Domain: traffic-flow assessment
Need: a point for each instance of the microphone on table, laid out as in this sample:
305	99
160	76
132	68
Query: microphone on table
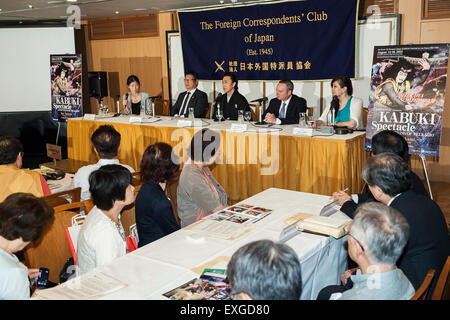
118	107
260	100
216	103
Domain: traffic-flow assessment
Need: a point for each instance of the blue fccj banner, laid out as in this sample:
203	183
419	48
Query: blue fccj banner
296	40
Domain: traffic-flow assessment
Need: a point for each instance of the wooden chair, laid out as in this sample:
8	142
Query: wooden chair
208	112
171	192
128	215
442	289
51	250
60	198
86	205
422	292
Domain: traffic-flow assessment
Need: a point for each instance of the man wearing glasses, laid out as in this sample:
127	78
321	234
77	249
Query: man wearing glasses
192	98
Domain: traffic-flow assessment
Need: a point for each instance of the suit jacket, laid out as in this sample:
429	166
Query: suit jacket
295	106
429	243
230	108
349	207
198	101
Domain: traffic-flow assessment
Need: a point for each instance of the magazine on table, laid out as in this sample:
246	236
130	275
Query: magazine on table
211	285
241	214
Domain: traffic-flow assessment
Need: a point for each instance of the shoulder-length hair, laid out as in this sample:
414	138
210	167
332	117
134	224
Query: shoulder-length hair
158	163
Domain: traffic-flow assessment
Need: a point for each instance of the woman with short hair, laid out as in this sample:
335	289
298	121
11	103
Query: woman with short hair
198	193
102	238
23	218
154	214
135	100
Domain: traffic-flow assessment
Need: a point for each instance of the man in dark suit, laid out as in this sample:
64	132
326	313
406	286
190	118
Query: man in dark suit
388	178
285	108
192	98
384	141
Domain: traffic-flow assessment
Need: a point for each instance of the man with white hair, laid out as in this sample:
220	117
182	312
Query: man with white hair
375	242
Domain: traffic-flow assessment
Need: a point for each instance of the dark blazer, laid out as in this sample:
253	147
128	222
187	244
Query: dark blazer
199	101
429	243
349	207
230	108
295	106
154	215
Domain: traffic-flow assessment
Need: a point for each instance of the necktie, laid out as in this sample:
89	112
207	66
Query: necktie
183	108
283	110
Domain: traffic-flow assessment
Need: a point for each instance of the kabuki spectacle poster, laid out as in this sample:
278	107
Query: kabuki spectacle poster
407	95
65	76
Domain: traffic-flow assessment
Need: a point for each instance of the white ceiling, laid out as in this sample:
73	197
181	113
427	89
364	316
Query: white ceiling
13	10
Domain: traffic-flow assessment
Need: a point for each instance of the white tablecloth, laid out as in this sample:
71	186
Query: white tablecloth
166	263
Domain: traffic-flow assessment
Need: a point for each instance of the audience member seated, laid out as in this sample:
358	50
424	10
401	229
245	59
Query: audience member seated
265	270
106	142
198	193
23	217
135	100
14	178
102	238
384	141
347	109
154	214
286	107
376	240
192	98
231	101
389	179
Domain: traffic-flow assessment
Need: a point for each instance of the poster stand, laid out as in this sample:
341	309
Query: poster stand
426	175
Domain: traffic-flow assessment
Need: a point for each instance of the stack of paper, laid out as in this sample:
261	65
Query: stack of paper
336	227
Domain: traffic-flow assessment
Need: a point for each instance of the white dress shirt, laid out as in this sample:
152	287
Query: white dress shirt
81	178
191	93
100	241
278	121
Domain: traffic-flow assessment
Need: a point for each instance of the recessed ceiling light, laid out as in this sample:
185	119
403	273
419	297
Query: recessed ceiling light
221	1
140	9
30	6
116	12
71	0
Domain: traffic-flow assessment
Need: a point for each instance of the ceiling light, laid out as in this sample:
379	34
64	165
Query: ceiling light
221	1
116	12
71	0
140	9
30	6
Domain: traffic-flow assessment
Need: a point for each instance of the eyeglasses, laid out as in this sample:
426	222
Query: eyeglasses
362	247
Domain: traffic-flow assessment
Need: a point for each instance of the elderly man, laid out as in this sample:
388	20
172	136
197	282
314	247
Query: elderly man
106	141
286	107
265	270
389	179
384	141
376	240
14	178
192	98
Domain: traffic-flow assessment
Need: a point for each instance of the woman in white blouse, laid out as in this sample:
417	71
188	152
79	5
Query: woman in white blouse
102	238
347	109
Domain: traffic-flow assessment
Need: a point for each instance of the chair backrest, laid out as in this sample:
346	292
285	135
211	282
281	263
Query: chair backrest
60	198
128	216
51	250
442	289
85	205
171	192
421	293
208	111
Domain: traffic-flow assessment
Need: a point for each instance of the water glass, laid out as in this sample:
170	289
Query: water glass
302	120
247	115
240	116
191	114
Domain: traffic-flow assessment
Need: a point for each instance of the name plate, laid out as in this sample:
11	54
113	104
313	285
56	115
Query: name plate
89	116
238	127
184	123
302	132
54	151
135	119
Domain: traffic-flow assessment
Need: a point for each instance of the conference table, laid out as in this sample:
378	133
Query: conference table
179	257
249	162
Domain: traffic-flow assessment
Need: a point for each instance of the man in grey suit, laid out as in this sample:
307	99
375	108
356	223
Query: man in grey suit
192	98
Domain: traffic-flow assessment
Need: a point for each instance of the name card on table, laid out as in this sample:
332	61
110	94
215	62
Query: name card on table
238	127
89	116
302	132
135	119
184	123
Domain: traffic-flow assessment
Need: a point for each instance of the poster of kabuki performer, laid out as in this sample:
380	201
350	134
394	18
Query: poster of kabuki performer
65	76
407	95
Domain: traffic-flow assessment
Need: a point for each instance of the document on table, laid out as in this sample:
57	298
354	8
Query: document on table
219	229
83	287
327	221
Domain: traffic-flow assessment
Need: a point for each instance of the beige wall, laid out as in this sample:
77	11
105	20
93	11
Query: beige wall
416	30
145	57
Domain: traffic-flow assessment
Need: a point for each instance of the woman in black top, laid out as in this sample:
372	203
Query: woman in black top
135	100
154	214
231	101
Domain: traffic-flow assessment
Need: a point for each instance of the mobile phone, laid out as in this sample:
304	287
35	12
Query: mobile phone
43	277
